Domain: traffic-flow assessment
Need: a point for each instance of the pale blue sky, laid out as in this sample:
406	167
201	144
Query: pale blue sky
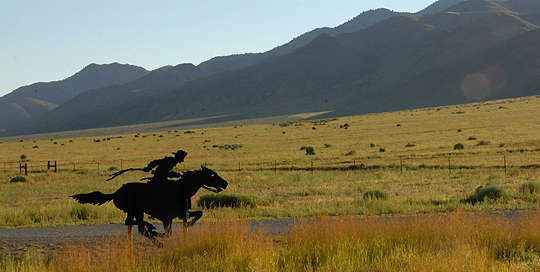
42	41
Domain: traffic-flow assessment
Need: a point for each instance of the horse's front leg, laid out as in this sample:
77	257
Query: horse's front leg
196	216
167	226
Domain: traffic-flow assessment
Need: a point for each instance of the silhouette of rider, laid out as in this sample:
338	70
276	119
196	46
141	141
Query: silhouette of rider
163	168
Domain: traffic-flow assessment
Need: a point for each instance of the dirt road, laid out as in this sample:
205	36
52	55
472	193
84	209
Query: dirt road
22	240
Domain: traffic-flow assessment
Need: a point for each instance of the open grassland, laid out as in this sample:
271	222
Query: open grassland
403	162
436	242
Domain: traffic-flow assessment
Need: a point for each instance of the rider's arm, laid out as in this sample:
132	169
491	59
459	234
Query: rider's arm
151	166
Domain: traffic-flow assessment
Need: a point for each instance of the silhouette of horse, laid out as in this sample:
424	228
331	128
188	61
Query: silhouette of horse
161	200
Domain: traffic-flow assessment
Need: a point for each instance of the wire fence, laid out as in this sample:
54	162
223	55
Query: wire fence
449	162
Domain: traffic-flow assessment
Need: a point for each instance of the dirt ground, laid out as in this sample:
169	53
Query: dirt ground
18	242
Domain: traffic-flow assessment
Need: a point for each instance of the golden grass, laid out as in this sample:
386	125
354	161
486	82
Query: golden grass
416	178
437	242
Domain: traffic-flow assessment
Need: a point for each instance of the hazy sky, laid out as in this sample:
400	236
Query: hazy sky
42	41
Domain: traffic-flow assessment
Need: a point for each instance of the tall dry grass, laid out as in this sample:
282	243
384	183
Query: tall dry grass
434	242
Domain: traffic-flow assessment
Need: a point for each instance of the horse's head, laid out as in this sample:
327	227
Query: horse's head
212	181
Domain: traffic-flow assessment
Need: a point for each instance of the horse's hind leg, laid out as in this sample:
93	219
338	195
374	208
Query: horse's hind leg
129	223
147	230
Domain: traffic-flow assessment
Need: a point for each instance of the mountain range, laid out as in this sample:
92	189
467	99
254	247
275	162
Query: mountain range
452	52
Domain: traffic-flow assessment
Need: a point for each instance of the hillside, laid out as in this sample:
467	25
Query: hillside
474	51
39	98
362	21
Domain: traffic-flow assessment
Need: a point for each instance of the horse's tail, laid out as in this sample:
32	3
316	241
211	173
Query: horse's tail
96	198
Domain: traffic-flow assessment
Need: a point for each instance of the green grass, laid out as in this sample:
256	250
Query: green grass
270	167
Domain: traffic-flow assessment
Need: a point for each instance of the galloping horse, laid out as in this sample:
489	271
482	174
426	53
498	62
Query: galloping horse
161	200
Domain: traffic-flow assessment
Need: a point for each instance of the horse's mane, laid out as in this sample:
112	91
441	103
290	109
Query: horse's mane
189	174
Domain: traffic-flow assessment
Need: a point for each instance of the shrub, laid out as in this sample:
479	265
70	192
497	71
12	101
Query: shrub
228	146
24	157
459	146
382	149
490	192
372	194
310	150
209	201
530	187
18	179
350	153
80	212
483	142
472	138
410	145
114	168
371	145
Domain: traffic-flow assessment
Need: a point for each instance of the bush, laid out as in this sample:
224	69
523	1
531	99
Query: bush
483	142
490	192
530	187
229	146
18	179
372	194
24	157
310	150
459	146
472	138
114	168
80	212
226	200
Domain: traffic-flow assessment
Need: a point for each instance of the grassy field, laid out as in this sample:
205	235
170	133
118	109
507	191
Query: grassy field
407	156
397	163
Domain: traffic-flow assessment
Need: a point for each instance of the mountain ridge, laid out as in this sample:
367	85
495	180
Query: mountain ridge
402	62
39	98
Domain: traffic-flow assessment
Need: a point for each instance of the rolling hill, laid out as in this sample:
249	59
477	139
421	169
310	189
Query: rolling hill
473	51
39	98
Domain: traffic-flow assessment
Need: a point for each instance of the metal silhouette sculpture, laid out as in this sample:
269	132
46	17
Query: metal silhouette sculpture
163	200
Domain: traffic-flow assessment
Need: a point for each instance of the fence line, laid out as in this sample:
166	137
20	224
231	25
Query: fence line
451	163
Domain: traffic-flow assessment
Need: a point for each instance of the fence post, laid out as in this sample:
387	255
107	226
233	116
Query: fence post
401	166
275	165
449	166
505	165
49	166
25	167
